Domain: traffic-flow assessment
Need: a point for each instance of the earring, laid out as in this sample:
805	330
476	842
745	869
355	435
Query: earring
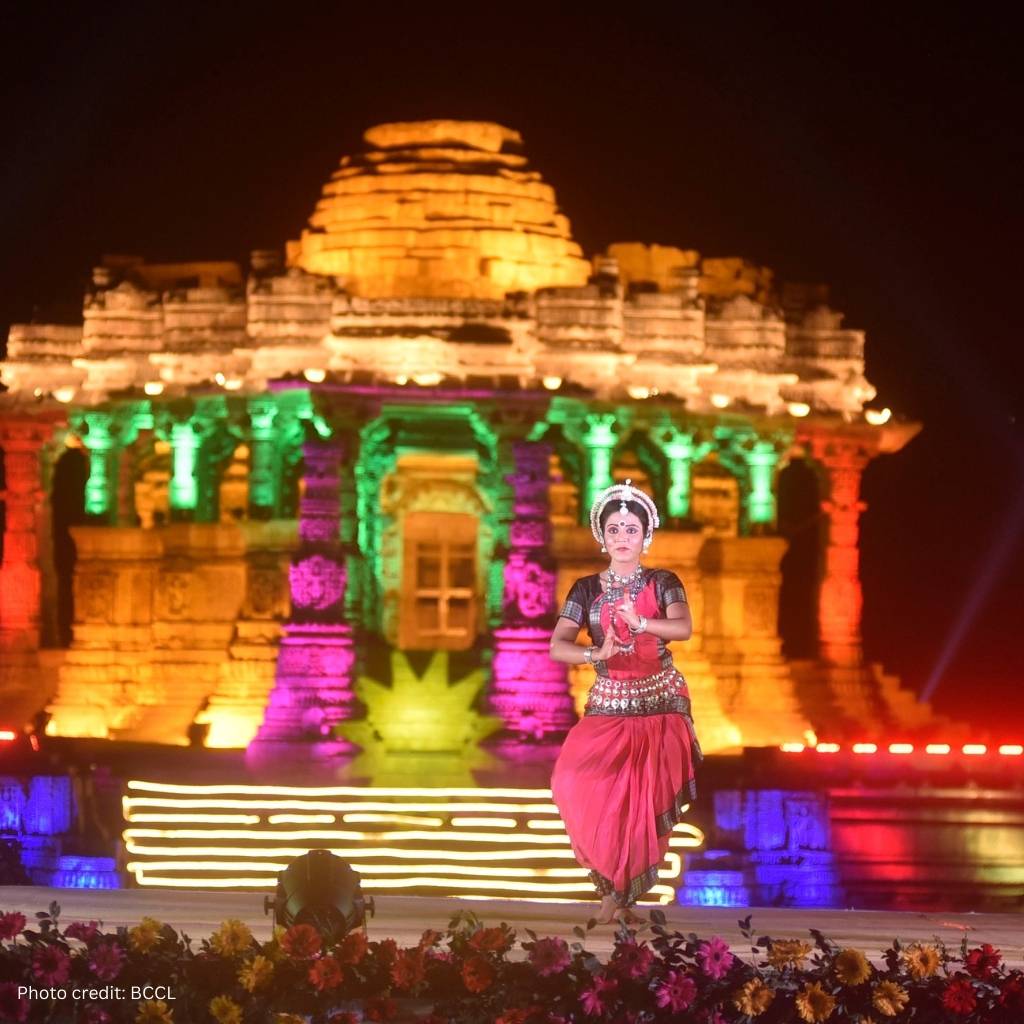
604	550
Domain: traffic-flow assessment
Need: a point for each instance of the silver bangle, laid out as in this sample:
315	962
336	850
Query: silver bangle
588	655
641	626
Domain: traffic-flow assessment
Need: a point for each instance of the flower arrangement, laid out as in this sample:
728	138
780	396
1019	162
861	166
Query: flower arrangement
151	974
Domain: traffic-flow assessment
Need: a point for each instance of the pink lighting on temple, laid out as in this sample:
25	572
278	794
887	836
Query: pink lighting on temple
530	691
313	691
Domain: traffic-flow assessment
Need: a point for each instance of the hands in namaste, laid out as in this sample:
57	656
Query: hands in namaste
626	611
609	648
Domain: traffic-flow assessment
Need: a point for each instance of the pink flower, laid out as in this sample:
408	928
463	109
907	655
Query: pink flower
714	957
982	963
711	1017
677	992
549	956
86	932
595	999
12	1006
633	960
51	965
106	961
11	924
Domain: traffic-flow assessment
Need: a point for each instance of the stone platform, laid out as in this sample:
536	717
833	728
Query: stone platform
404	918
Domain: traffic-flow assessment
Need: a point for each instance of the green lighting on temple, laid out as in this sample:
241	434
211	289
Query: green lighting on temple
761	462
184	491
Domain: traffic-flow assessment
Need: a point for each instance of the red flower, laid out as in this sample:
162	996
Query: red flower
380	1009
407	970
84	931
595	1000
301	942
477	973
326	974
549	956
51	965
490	940
12	1006
513	1016
353	948
632	960
11	924
959	997
106	960
1012	994
982	963
430	938
386	951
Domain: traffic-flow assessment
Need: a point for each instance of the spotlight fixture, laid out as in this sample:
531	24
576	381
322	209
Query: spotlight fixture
720	401
322	890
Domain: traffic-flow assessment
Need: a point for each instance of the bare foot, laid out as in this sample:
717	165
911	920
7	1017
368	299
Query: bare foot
608	910
625	915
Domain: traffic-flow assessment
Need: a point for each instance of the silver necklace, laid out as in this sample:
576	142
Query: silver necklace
615	580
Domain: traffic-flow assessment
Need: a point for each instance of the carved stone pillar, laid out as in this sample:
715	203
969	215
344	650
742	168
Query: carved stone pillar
264	482
841	694
22	439
313	689
741	582
529	690
762	458
598	439
840	599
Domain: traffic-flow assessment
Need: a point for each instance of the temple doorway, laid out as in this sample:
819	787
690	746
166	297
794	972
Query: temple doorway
800	523
67	500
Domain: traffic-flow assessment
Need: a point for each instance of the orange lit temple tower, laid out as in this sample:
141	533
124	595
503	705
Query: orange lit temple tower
335	498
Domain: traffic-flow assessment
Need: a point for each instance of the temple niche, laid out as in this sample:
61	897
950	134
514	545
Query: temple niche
363	465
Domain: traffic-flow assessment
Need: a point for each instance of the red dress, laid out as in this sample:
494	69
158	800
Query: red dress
626	769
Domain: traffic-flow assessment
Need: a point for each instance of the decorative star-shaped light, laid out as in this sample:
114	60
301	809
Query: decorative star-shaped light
420	726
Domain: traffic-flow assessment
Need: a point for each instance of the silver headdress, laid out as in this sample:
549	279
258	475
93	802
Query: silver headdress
623	493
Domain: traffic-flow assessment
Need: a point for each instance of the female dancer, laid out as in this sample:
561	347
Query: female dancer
626	769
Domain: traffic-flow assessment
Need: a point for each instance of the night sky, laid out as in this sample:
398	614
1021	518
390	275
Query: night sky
881	156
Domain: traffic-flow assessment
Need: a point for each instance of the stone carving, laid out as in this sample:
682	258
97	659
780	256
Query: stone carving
95	597
176	594
531	587
317	582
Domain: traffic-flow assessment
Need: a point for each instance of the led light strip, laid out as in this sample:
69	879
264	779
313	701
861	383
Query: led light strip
474	819
339	806
355	791
967	749
220	819
356	851
241	833
395	819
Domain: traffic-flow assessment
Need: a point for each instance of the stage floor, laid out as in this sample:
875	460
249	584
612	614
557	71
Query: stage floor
404	918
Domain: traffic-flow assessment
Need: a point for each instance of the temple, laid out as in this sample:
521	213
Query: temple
333	499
